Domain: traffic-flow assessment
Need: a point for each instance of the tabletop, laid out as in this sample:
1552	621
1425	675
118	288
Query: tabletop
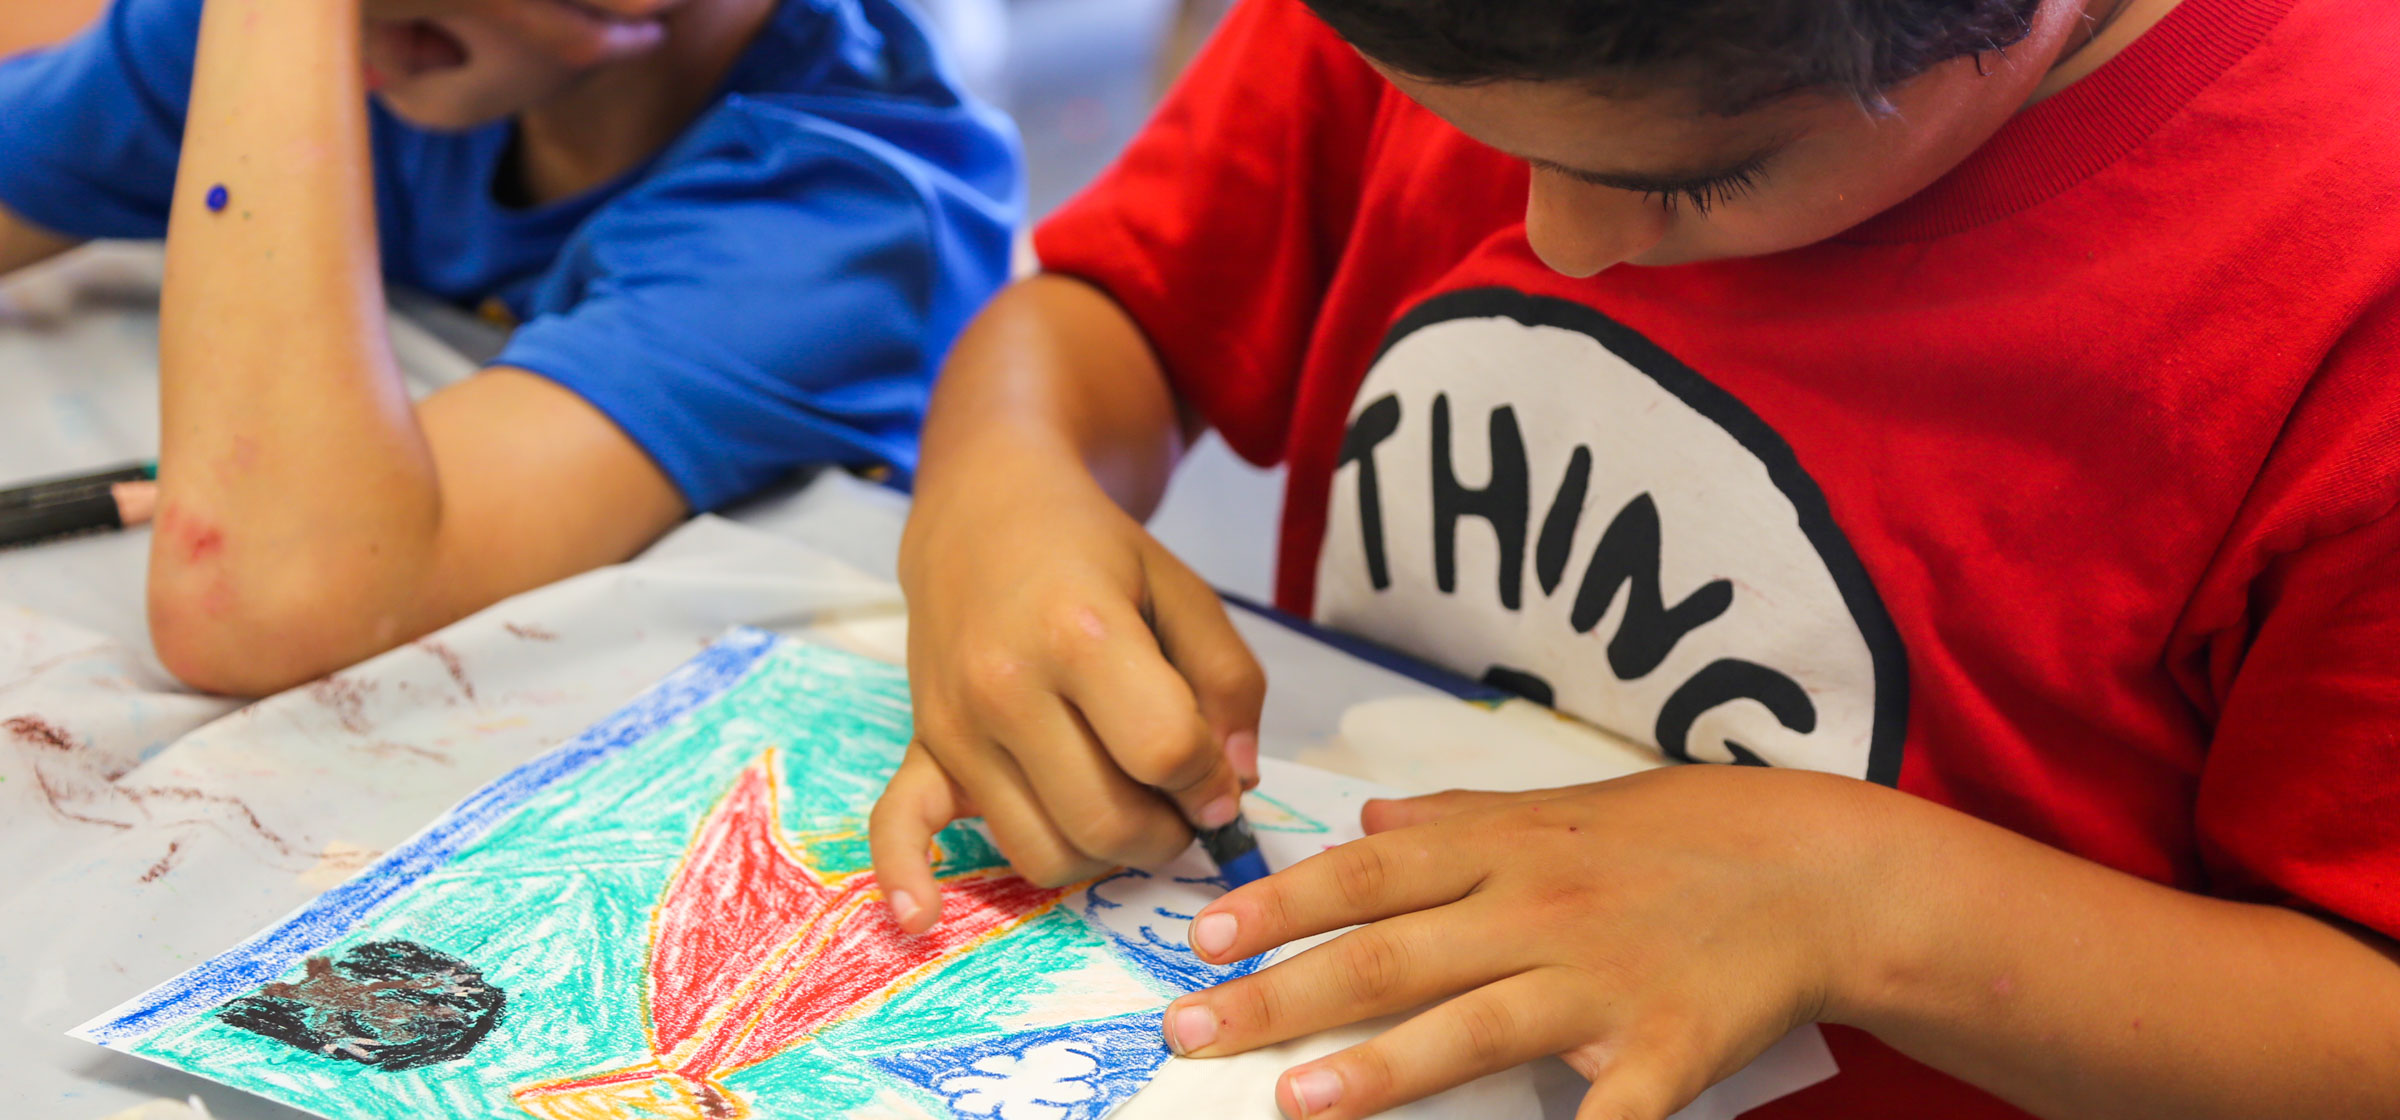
143	828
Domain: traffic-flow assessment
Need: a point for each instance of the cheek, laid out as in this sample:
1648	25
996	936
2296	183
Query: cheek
1824	186
501	77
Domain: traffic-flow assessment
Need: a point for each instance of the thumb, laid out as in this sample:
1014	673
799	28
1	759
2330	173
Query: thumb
919	802
1199	640
1635	1082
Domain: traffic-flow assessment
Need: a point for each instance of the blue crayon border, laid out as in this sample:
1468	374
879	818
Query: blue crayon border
337	912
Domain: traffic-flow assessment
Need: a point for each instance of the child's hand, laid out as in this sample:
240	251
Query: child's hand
1658	932
1075	685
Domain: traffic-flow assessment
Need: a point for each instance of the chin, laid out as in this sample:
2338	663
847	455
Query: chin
436	113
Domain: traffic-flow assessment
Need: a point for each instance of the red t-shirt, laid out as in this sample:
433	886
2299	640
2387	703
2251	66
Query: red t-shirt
2063	493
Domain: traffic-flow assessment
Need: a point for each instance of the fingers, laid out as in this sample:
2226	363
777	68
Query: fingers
1492	1028
1362	881
1105	814
1391	815
1241	752
1021	829
930	790
1641	1083
919	802
1199	639
1145	713
1380	969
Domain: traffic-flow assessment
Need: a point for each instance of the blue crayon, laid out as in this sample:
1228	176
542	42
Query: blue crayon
1235	850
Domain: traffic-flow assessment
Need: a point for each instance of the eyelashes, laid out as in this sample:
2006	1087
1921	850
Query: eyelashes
1697	195
1700	198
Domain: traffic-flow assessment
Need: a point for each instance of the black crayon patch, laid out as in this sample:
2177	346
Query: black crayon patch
394	1005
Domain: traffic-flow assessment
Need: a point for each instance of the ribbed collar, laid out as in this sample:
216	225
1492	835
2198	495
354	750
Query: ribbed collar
2076	132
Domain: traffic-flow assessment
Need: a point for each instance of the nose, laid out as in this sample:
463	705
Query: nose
1580	229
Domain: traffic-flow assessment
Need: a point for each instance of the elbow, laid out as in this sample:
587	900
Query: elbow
255	638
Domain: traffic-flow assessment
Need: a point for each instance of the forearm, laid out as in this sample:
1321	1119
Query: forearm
1054	373
24	244
290	454
2077	991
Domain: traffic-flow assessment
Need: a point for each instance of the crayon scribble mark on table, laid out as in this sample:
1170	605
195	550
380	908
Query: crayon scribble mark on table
451	664
346	698
39	732
165	863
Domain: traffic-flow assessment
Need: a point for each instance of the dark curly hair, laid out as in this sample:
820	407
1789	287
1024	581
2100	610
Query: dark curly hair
1730	54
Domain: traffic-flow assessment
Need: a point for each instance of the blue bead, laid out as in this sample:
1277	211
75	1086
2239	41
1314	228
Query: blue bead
218	196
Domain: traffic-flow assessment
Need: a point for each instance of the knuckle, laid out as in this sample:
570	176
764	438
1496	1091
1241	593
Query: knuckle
938	726
886	815
992	676
1378	965
1225	669
1072	630
1368	1074
1274	907
1254	1007
1163	844
1110	832
1173	758
1360	874
1487	1032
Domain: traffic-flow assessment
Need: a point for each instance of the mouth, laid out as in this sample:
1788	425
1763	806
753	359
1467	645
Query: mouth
398	51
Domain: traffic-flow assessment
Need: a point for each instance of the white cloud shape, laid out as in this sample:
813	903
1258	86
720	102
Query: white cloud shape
1035	1085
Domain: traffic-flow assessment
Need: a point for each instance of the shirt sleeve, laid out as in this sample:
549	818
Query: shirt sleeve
2299	800
781	292
90	130
1219	229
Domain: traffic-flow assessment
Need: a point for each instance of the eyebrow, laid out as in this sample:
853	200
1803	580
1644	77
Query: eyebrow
1669	182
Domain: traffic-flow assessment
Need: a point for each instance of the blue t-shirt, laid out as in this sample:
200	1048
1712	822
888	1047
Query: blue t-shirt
775	289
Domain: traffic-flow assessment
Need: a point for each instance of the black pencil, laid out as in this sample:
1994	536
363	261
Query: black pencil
114	506
72	487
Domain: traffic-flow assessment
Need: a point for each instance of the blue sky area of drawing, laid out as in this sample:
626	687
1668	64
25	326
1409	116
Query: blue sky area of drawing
1164	955
334	914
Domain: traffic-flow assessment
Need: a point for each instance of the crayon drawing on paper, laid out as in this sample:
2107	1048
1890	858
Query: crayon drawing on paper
672	918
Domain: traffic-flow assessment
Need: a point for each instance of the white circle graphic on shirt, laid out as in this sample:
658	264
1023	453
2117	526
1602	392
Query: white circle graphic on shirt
1538	496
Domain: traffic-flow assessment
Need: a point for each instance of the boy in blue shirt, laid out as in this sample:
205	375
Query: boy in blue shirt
739	234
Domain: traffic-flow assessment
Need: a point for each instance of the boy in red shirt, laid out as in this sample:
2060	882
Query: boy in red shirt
1973	421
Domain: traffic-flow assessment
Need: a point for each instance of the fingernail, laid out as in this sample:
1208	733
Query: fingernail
1316	1091
1241	748
1212	934
1220	812
1191	1028
903	904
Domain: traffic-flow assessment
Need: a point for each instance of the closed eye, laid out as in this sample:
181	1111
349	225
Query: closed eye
1701	193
